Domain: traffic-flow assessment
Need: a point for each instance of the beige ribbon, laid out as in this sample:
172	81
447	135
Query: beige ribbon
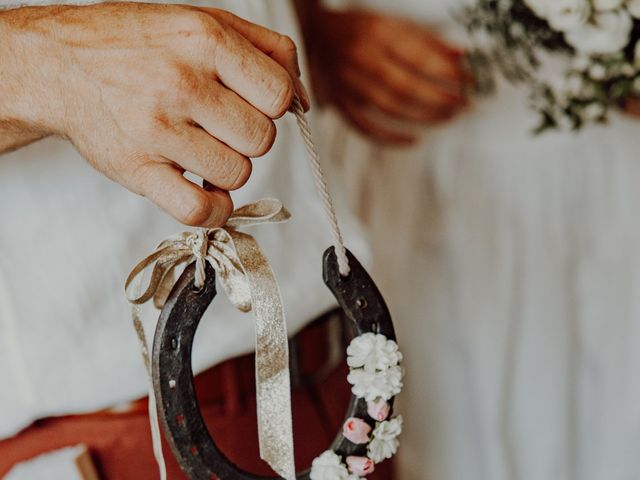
248	280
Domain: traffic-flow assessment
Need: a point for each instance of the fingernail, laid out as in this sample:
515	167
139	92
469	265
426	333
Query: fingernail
306	102
220	211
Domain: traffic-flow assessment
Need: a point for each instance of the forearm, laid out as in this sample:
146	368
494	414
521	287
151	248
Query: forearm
22	101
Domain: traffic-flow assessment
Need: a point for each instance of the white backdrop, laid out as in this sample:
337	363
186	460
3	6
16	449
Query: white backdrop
512	265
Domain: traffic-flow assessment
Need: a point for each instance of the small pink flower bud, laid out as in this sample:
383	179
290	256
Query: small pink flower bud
378	410
356	430
360	465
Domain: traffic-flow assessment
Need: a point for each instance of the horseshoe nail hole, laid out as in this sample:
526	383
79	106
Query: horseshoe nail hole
194	450
172	383
180	419
174	343
361	302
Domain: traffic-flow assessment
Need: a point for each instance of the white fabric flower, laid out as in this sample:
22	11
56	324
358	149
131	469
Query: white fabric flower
605	5
608	32
567	15
329	466
633	7
385	440
539	7
373	352
374	385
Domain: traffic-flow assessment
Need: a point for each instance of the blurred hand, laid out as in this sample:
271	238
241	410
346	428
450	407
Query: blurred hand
146	92
632	107
365	60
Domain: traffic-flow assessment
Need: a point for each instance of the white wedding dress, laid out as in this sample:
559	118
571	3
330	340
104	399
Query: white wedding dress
512	266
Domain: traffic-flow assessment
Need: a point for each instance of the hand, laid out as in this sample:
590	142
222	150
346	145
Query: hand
365	60
146	92
632	107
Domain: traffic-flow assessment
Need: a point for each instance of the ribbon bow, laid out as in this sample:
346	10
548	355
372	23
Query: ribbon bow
248	280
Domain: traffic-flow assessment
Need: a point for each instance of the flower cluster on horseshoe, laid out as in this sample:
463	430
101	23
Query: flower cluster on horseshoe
375	370
382	444
376	377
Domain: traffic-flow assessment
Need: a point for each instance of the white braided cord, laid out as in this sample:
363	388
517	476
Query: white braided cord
321	186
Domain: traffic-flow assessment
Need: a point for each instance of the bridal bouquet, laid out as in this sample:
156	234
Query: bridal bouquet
594	41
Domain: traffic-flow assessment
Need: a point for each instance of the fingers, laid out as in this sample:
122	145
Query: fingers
254	76
164	184
397	103
279	47
198	152
632	106
250	72
426	54
230	119
361	121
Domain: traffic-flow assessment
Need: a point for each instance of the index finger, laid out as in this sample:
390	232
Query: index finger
279	47
426	54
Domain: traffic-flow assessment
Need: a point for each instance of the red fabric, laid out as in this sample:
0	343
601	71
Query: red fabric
120	444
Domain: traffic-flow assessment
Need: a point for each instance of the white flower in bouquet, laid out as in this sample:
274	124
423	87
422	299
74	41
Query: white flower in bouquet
373	352
539	7
580	62
627	70
605	5
636	55
385	439
633	7
597	72
568	15
594	111
606	33
593	44
574	85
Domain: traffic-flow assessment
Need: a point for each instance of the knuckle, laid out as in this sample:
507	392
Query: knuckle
262	138
157	126
175	86
180	86
187	86
200	31
197	22
211	29
195	210
283	96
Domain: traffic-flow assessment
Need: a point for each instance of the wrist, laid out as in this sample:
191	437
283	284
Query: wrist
30	73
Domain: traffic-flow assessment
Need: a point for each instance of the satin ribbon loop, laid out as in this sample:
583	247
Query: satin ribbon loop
247	279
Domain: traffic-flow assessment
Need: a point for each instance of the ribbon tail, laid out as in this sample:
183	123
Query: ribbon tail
273	385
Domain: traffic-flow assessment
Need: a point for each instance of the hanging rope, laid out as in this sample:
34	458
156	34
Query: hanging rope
321	186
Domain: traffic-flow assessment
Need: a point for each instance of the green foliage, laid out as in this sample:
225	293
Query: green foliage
512	40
